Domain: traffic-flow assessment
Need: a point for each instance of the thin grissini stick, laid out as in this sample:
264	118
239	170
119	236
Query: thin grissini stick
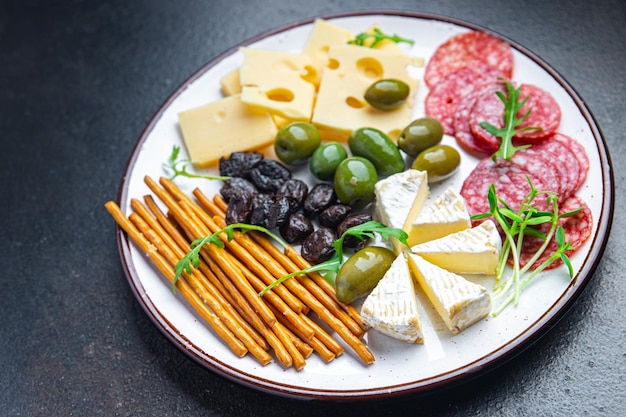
325	338
283	334
258	268
327	300
215	275
221	256
303	347
202	274
220	204
192	298
211	301
271	296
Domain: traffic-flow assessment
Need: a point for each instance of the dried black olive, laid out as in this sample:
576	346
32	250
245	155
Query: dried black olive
236	187
296	228
239	164
350	221
319	198
239	209
269	175
318	246
296	191
269	210
333	215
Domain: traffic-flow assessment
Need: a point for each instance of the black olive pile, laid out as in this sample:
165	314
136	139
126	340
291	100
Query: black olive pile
264	193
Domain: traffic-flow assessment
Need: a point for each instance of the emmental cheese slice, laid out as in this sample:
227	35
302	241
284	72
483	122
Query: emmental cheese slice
446	214
224	126
391	308
400	197
470	251
278	82
341	108
459	302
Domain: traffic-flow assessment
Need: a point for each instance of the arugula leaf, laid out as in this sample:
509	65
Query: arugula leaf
512	106
378	36
176	167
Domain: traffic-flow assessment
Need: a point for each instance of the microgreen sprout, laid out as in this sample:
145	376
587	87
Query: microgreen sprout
176	167
378	36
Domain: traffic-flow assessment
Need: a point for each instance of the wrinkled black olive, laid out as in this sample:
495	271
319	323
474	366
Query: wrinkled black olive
239	164
319	198
350	221
269	175
318	246
236	187
296	191
239	209
296	228
333	215
269	211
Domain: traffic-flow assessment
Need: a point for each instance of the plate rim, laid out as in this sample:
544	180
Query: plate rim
453	377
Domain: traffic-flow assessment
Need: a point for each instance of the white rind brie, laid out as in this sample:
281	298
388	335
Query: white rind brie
391	308
470	251
459	302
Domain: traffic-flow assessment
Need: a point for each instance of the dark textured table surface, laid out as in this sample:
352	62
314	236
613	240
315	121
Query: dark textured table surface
78	83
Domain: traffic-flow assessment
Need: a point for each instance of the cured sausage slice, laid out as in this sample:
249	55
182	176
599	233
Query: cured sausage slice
462	129
469	49
442	100
577	149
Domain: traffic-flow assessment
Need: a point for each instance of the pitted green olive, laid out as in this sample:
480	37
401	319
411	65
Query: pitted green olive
325	159
296	142
355	180
387	94
361	272
440	161
421	134
376	146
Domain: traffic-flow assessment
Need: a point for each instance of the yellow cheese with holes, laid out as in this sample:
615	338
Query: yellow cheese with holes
224	126
459	302
351	69
278	82
323	35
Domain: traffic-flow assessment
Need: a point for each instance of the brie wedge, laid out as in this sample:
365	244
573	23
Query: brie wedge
446	214
399	199
391	307
470	251
459	302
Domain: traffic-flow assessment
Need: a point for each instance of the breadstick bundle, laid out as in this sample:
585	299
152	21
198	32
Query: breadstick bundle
283	324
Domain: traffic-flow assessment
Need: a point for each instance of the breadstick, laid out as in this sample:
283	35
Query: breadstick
192	298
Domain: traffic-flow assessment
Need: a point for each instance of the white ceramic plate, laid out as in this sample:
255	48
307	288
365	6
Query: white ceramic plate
399	368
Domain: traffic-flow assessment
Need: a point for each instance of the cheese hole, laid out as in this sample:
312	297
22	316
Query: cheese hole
311	74
220	116
370	68
333	64
280	94
355	102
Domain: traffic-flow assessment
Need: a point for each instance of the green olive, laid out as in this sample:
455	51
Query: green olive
387	94
325	159
361	272
440	161
296	142
355	180
421	134
376	146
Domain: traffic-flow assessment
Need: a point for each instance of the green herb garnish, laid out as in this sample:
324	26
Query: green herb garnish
178	167
512	106
516	226
378	36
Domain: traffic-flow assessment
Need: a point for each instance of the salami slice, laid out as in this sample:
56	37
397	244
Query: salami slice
466	50
442	100
579	152
577	229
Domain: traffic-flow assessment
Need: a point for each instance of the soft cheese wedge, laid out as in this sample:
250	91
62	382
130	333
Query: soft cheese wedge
470	251
391	307
446	214
399	199
459	302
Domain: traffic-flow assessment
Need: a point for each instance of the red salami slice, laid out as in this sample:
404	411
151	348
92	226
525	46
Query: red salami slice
442	100
466	50
545	112
577	229
490	109
579	152
462	131
564	163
